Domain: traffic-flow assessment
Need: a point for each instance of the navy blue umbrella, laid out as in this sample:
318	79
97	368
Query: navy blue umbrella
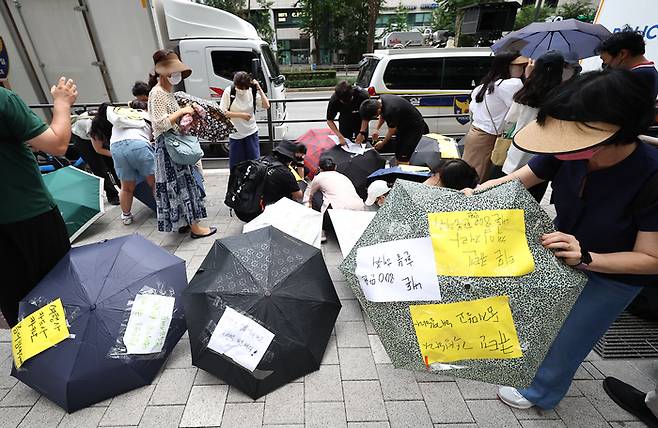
569	35
96	283
404	172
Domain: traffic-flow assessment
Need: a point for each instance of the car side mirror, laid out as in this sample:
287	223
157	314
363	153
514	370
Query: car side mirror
279	80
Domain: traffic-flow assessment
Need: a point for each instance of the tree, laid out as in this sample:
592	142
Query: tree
260	19
577	9
316	17
528	14
236	7
373	13
399	21
444	15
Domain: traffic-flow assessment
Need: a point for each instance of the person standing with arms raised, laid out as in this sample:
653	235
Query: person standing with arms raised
33	236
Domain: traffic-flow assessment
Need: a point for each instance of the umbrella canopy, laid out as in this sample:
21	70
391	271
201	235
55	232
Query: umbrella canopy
78	196
432	148
316	142
356	167
569	35
405	172
99	284
260	310
349	226
292	218
214	126
535	303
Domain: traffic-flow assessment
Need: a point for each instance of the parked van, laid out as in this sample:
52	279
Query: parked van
105	46
436	80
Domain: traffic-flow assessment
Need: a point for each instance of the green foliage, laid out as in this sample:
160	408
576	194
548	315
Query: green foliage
236	7
260	19
577	9
527	15
310	75
311	83
445	15
399	22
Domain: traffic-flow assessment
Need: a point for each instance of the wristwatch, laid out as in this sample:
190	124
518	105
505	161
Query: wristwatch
364	133
585	260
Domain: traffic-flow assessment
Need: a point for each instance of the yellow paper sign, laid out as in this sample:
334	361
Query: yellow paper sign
38	331
471	330
480	243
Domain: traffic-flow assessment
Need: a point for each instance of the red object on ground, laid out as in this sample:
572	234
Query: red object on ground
316	142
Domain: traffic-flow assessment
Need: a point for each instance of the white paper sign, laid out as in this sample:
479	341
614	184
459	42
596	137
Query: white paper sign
398	271
349	226
350	146
292	218
148	323
241	339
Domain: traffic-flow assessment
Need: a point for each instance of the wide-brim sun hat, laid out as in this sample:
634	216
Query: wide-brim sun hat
172	64
376	189
557	136
286	148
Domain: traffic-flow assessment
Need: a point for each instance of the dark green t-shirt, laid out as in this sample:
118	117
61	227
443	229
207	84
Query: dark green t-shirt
24	195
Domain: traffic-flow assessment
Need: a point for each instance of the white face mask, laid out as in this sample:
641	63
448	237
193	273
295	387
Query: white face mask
175	78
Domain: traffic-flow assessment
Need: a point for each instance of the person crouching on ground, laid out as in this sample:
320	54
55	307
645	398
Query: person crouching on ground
607	227
337	190
377	193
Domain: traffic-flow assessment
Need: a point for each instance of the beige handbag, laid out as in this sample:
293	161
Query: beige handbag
502	144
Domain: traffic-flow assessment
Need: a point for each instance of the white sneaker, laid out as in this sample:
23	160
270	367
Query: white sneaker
126	219
513	398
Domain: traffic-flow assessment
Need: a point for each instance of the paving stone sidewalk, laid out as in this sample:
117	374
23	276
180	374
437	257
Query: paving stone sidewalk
356	385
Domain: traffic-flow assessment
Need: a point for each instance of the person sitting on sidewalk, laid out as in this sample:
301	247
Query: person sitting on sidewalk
33	235
642	405
377	193
280	182
337	190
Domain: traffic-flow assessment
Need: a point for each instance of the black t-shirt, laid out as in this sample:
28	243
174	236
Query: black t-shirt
349	121
279	183
648	75
399	113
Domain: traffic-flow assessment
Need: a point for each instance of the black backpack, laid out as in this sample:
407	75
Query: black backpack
246	186
233	92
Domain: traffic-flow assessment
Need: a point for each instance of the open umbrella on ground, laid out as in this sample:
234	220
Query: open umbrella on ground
349	226
260	310
414	173
356	167
569	35
292	218
432	148
78	196
121	300
462	312
316	142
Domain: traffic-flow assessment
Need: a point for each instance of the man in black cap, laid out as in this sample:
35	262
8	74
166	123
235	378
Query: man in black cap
403	120
345	103
280	181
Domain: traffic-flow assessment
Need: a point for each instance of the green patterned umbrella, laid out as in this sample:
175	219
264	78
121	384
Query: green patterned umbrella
536	301
78	196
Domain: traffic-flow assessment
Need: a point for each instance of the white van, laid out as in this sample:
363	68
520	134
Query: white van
436	80
105	46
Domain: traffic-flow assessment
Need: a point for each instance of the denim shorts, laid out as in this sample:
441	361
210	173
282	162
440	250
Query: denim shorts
133	159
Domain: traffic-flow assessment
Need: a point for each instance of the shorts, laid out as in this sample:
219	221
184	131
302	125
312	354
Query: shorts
133	159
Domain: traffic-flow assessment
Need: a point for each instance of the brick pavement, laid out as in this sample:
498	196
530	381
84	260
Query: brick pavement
356	385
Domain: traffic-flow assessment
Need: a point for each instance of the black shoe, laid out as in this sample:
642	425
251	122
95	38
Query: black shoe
630	399
195	236
184	229
113	200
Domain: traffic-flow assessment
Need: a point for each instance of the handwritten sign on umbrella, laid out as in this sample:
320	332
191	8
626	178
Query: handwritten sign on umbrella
38	331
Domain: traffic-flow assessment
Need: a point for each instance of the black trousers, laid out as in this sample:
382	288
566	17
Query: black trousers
100	165
407	139
29	250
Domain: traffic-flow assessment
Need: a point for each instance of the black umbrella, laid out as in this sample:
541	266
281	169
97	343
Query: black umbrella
356	167
98	284
427	153
274	282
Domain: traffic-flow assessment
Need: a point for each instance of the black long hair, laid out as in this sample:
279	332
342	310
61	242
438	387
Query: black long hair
546	75
499	70
101	128
612	96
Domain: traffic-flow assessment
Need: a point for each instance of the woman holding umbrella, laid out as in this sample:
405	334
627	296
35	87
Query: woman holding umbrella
604	188
489	105
177	196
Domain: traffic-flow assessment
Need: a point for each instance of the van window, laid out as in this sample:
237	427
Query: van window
421	73
367	67
272	65
226	63
464	72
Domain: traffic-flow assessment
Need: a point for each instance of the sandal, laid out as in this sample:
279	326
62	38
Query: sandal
213	230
